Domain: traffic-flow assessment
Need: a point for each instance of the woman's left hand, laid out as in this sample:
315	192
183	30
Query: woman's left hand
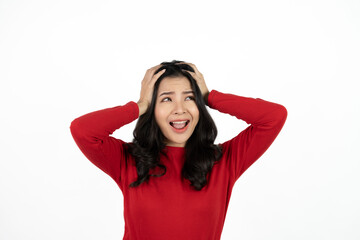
199	78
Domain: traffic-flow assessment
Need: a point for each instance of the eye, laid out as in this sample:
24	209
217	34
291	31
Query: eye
190	97
166	99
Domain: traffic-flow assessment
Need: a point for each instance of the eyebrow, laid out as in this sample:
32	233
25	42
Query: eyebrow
170	93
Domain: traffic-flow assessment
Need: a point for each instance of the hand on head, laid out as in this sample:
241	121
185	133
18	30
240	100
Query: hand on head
147	87
199	78
150	78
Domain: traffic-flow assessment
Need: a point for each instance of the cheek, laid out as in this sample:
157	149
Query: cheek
195	112
160	114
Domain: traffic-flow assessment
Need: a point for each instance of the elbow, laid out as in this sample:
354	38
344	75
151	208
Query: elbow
281	113
75	129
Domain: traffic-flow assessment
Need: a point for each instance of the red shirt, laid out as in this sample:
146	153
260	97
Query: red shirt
167	207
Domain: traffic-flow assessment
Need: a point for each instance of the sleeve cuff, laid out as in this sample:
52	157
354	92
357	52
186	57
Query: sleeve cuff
211	98
135	109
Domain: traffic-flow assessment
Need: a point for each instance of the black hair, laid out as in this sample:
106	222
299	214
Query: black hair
149	143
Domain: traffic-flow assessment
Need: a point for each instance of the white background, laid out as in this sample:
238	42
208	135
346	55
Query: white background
62	59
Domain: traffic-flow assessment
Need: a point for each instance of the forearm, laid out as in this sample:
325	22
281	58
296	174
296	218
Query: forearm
266	119
100	124
91	133
142	107
253	111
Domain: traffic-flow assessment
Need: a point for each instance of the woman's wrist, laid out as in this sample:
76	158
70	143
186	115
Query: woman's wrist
206	96
142	107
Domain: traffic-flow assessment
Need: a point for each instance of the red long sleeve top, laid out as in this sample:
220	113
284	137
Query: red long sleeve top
167	208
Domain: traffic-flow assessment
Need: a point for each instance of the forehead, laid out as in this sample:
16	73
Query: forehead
174	84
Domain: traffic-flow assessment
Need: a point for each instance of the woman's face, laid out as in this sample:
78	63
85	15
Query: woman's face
176	112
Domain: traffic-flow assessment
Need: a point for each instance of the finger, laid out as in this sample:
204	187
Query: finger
150	73
188	71
156	67
193	75
160	72
151	70
157	75
194	67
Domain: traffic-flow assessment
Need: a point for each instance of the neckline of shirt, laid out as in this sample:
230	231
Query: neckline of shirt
175	150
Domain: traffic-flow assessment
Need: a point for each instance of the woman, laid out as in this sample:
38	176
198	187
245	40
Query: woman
175	181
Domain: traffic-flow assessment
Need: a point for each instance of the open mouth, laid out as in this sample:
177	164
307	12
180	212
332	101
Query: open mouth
179	124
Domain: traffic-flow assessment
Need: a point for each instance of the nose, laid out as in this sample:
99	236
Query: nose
179	108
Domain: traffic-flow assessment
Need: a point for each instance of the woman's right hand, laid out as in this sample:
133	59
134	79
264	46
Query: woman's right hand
147	88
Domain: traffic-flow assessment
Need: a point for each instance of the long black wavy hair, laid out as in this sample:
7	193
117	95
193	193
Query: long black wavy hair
148	144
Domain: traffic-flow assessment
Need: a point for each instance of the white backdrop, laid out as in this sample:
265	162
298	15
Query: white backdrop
62	59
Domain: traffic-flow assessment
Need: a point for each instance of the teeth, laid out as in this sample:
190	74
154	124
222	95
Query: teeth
180	122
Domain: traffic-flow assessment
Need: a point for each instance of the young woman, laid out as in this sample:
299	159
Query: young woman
175	181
